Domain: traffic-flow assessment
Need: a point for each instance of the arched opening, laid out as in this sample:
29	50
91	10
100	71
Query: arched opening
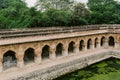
89	43
9	60
59	50
81	46
29	55
96	42
111	41
71	47
45	52
102	41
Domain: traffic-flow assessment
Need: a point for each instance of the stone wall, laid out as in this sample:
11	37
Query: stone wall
61	69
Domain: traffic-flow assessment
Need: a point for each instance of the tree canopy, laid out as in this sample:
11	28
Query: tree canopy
46	13
104	11
55	4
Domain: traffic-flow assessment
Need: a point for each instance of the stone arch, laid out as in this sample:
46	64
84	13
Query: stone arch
71	47
59	49
29	55
81	46
89	43
9	59
96	42
26	47
111	41
45	52
103	39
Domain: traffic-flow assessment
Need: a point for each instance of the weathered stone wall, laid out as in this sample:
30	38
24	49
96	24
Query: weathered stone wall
61	69
92	36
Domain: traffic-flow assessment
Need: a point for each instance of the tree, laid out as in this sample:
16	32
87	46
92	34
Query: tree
55	4
104	11
53	17
15	14
80	14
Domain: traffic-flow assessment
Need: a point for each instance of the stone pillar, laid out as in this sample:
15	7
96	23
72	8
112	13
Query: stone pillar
76	50
65	52
38	59
116	44
1	66
20	61
98	45
85	48
106	44
38	56
52	54
20	56
20	64
92	46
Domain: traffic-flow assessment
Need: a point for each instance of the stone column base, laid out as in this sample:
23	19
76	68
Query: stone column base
76	50
98	46
52	56
85	49
106	44
20	64
92	46
65	53
38	60
116	45
1	68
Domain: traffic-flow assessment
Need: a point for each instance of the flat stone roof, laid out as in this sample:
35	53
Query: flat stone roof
15	36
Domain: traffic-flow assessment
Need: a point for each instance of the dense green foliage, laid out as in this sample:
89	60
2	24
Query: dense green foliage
104	11
16	14
105	70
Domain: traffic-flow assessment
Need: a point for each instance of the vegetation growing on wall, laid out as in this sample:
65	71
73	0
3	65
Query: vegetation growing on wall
15	13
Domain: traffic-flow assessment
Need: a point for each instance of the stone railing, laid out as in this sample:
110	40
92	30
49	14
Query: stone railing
54	30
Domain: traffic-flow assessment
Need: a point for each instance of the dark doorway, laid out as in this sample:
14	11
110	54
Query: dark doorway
111	41
81	46
71	47
29	55
89	44
9	60
59	49
96	42
45	52
102	41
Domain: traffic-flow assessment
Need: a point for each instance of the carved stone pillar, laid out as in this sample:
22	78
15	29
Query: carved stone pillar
38	59
1	65
98	45
20	61
106	44
85	48
52	54
20	57
76	50
92	46
38	56
65	52
116	44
